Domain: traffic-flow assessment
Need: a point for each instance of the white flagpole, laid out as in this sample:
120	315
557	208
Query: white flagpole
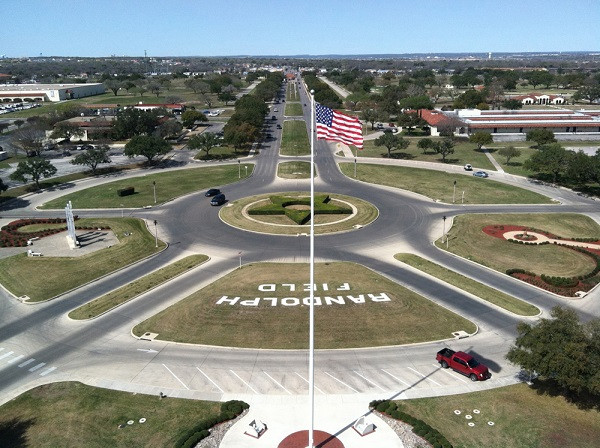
311	344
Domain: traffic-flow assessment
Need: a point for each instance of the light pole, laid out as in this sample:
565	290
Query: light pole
154	187
444	231
246	166
239	169
454	192
156	233
355	167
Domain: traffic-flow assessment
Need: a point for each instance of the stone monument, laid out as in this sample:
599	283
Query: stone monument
71	236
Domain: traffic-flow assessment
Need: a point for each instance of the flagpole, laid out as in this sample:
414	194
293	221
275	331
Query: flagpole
311	330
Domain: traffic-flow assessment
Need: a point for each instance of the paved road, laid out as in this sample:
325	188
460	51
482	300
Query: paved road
38	343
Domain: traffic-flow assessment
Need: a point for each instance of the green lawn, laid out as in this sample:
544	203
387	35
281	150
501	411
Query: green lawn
293	109
522	419
406	318
56	275
480	290
467	240
223	152
292	92
516	163
169	185
71	414
136	288
294	170
294	141
439	185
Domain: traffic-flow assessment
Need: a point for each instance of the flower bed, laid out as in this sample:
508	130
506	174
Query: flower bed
11	237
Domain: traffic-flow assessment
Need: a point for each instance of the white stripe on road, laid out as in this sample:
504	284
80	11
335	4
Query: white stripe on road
395	377
308	383
16	358
369	381
39	366
47	371
7	354
175	376
425	377
214	384
29	361
276	382
450	372
248	385
340	381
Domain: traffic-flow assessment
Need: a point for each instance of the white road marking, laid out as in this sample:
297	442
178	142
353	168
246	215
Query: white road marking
340	381
213	383
308	383
369	381
276	382
29	361
451	373
39	366
175	376
425	377
16	358
7	354
47	371
395	377
248	385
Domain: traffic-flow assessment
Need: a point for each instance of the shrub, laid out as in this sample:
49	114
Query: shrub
126	191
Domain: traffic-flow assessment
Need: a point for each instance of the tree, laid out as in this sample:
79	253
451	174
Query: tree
480	139
370	116
240	135
551	159
470	99
512	104
581	168
128	85
3	127
148	146
155	87
66	130
538	77
226	97
93	157
205	141
36	168
170	128
208	100
509	152
3	186
391	142
131	121
191	116
589	92
29	139
19	123
540	136
444	148
113	85
410	121
425	144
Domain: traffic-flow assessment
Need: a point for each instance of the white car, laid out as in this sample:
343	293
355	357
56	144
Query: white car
468	167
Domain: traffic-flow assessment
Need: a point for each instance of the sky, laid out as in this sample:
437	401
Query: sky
269	27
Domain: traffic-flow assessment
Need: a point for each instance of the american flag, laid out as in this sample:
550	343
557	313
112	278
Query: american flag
339	127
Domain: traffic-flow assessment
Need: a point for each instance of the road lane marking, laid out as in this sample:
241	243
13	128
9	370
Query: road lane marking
7	354
16	358
395	377
369	381
175	376
248	385
340	381
29	361
276	382
39	366
451	373
308	383
214	384
425	377
47	371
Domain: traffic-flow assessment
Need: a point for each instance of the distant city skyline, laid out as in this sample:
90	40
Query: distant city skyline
288	28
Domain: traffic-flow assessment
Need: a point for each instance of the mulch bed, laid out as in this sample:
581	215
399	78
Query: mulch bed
321	439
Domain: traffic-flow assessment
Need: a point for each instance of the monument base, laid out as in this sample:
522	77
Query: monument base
73	244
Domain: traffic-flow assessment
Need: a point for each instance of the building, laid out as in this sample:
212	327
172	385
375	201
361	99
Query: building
539	98
17	93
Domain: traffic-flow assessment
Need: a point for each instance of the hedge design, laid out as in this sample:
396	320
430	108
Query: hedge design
11	237
279	204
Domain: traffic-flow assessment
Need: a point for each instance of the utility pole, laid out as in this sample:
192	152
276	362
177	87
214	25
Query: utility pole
155	233
454	192
154	185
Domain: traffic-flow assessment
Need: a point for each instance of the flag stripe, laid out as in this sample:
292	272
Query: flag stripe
336	126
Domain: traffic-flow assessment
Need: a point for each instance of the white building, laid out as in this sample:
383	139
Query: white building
17	93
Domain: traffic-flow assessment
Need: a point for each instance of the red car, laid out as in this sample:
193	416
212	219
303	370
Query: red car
463	363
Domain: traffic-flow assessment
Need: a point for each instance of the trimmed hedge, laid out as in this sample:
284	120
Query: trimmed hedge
420	428
126	191
279	203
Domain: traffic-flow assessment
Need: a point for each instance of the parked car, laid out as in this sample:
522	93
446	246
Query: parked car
278	126
273	117
468	167
218	199
275	110
463	363
481	174
212	192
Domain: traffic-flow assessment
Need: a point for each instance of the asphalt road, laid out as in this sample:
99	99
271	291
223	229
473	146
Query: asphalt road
38	343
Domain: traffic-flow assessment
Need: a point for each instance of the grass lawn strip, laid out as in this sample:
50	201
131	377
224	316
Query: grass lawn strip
136	288
294	140
232	215
480	290
57	275
438	185
522	419
467	239
406	318
294	170
169	185
73	414
293	110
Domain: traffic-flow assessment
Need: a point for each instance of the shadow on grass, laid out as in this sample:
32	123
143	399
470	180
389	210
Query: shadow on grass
400	155
13	433
552	388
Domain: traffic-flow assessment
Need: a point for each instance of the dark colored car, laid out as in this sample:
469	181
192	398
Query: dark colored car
273	117
212	192
218	199
278	126
481	174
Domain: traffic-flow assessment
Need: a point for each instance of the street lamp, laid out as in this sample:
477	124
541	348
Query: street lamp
155	233
239	169
246	166
355	167
454	192
154	186
444	231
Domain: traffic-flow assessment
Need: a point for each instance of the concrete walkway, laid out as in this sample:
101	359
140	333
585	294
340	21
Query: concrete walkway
492	160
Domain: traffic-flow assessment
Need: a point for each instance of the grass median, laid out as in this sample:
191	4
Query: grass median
439	185
169	185
293	109
42	278
294	140
71	414
480	290
136	288
294	170
279	318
